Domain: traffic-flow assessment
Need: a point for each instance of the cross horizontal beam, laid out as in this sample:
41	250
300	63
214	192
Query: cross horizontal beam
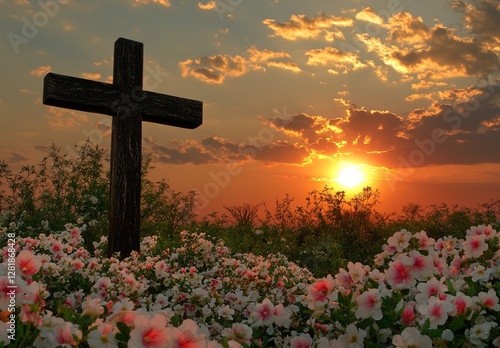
106	98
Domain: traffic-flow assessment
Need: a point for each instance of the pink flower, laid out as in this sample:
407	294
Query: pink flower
461	302
302	341
356	271
408	315
482	229
474	246
432	287
103	337
187	335
238	332
321	292
400	240
489	300
56	248
149	333
369	303
436	311
411	338
126	317
424	241
421	266
282	316
66	333
400	276
27	263
92	306
263	312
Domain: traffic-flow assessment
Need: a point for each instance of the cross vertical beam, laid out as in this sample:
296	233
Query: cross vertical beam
129	105
126	152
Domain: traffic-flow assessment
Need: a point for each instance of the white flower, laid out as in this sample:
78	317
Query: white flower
411	338
480	332
226	312
353	337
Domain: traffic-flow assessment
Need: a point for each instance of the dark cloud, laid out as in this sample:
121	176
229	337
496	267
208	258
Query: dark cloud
16	158
482	18
282	152
214	69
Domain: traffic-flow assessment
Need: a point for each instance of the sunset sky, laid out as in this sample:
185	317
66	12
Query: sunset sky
294	91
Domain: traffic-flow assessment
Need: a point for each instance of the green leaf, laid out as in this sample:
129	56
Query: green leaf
124	332
457	323
451	288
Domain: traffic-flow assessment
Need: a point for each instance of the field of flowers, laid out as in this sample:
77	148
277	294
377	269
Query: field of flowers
421	292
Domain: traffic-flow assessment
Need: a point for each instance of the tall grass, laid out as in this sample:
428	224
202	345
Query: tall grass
323	234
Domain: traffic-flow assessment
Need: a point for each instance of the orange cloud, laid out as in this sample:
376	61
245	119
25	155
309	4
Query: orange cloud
425	84
303	27
215	69
265	55
333	57
41	70
430	53
137	3
285	66
91	76
62	118
368	15
208	6
466	134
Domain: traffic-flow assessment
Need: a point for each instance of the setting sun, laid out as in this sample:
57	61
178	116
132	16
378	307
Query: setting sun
350	176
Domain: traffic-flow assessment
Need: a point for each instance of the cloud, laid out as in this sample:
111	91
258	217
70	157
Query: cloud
41	70
206	151
216	150
282	152
437	53
137	3
444	133
211	5
424	84
303	27
368	15
460	133
265	55
268	58
16	158
285	66
340	62
215	69
482	18
63	118
91	76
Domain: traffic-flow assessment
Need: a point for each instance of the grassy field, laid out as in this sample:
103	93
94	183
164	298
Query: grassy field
321	235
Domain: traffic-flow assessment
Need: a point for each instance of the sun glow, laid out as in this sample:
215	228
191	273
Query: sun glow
350	176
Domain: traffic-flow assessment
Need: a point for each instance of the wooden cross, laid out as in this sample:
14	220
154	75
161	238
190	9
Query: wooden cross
129	105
